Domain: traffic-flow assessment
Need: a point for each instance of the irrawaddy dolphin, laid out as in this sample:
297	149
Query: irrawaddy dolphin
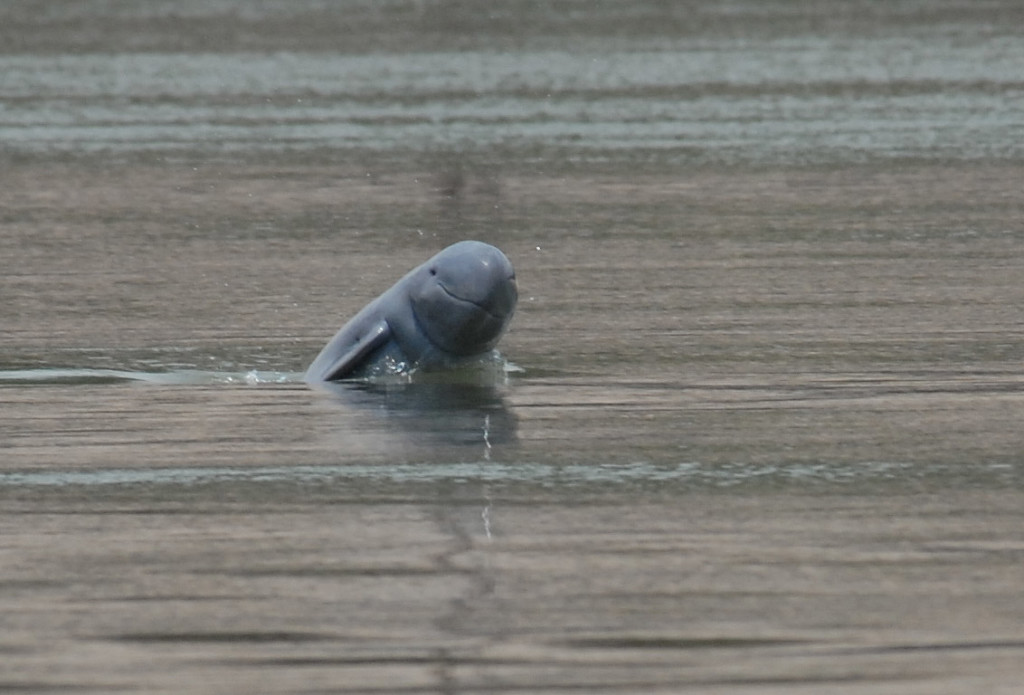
455	306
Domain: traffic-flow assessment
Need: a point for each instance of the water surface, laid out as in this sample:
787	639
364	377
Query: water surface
760	429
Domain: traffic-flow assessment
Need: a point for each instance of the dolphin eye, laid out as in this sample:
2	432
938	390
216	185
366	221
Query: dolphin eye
433	271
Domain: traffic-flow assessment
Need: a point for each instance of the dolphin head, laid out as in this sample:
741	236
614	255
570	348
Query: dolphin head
464	297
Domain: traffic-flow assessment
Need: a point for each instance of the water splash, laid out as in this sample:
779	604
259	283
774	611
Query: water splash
486	516
487	437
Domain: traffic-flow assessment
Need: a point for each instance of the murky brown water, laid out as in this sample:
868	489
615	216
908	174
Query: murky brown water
765	432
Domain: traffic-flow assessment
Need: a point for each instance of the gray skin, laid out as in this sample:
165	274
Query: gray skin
455	306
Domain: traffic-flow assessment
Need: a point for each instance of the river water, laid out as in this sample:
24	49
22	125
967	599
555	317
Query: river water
758	424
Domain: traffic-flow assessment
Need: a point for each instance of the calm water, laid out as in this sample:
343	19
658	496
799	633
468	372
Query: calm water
759	430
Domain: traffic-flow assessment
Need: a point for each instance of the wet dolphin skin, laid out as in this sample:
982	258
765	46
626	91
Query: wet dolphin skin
455	306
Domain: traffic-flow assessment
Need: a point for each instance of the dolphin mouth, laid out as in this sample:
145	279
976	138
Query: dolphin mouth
478	305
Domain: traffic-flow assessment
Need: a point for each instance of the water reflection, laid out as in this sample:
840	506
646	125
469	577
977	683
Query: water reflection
434	412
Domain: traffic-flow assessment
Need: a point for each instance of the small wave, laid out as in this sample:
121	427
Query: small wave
44	376
491	368
488	471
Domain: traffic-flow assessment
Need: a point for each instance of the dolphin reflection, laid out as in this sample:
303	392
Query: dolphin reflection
439	413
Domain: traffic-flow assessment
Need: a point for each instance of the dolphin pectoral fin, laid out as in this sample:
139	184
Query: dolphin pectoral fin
350	360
